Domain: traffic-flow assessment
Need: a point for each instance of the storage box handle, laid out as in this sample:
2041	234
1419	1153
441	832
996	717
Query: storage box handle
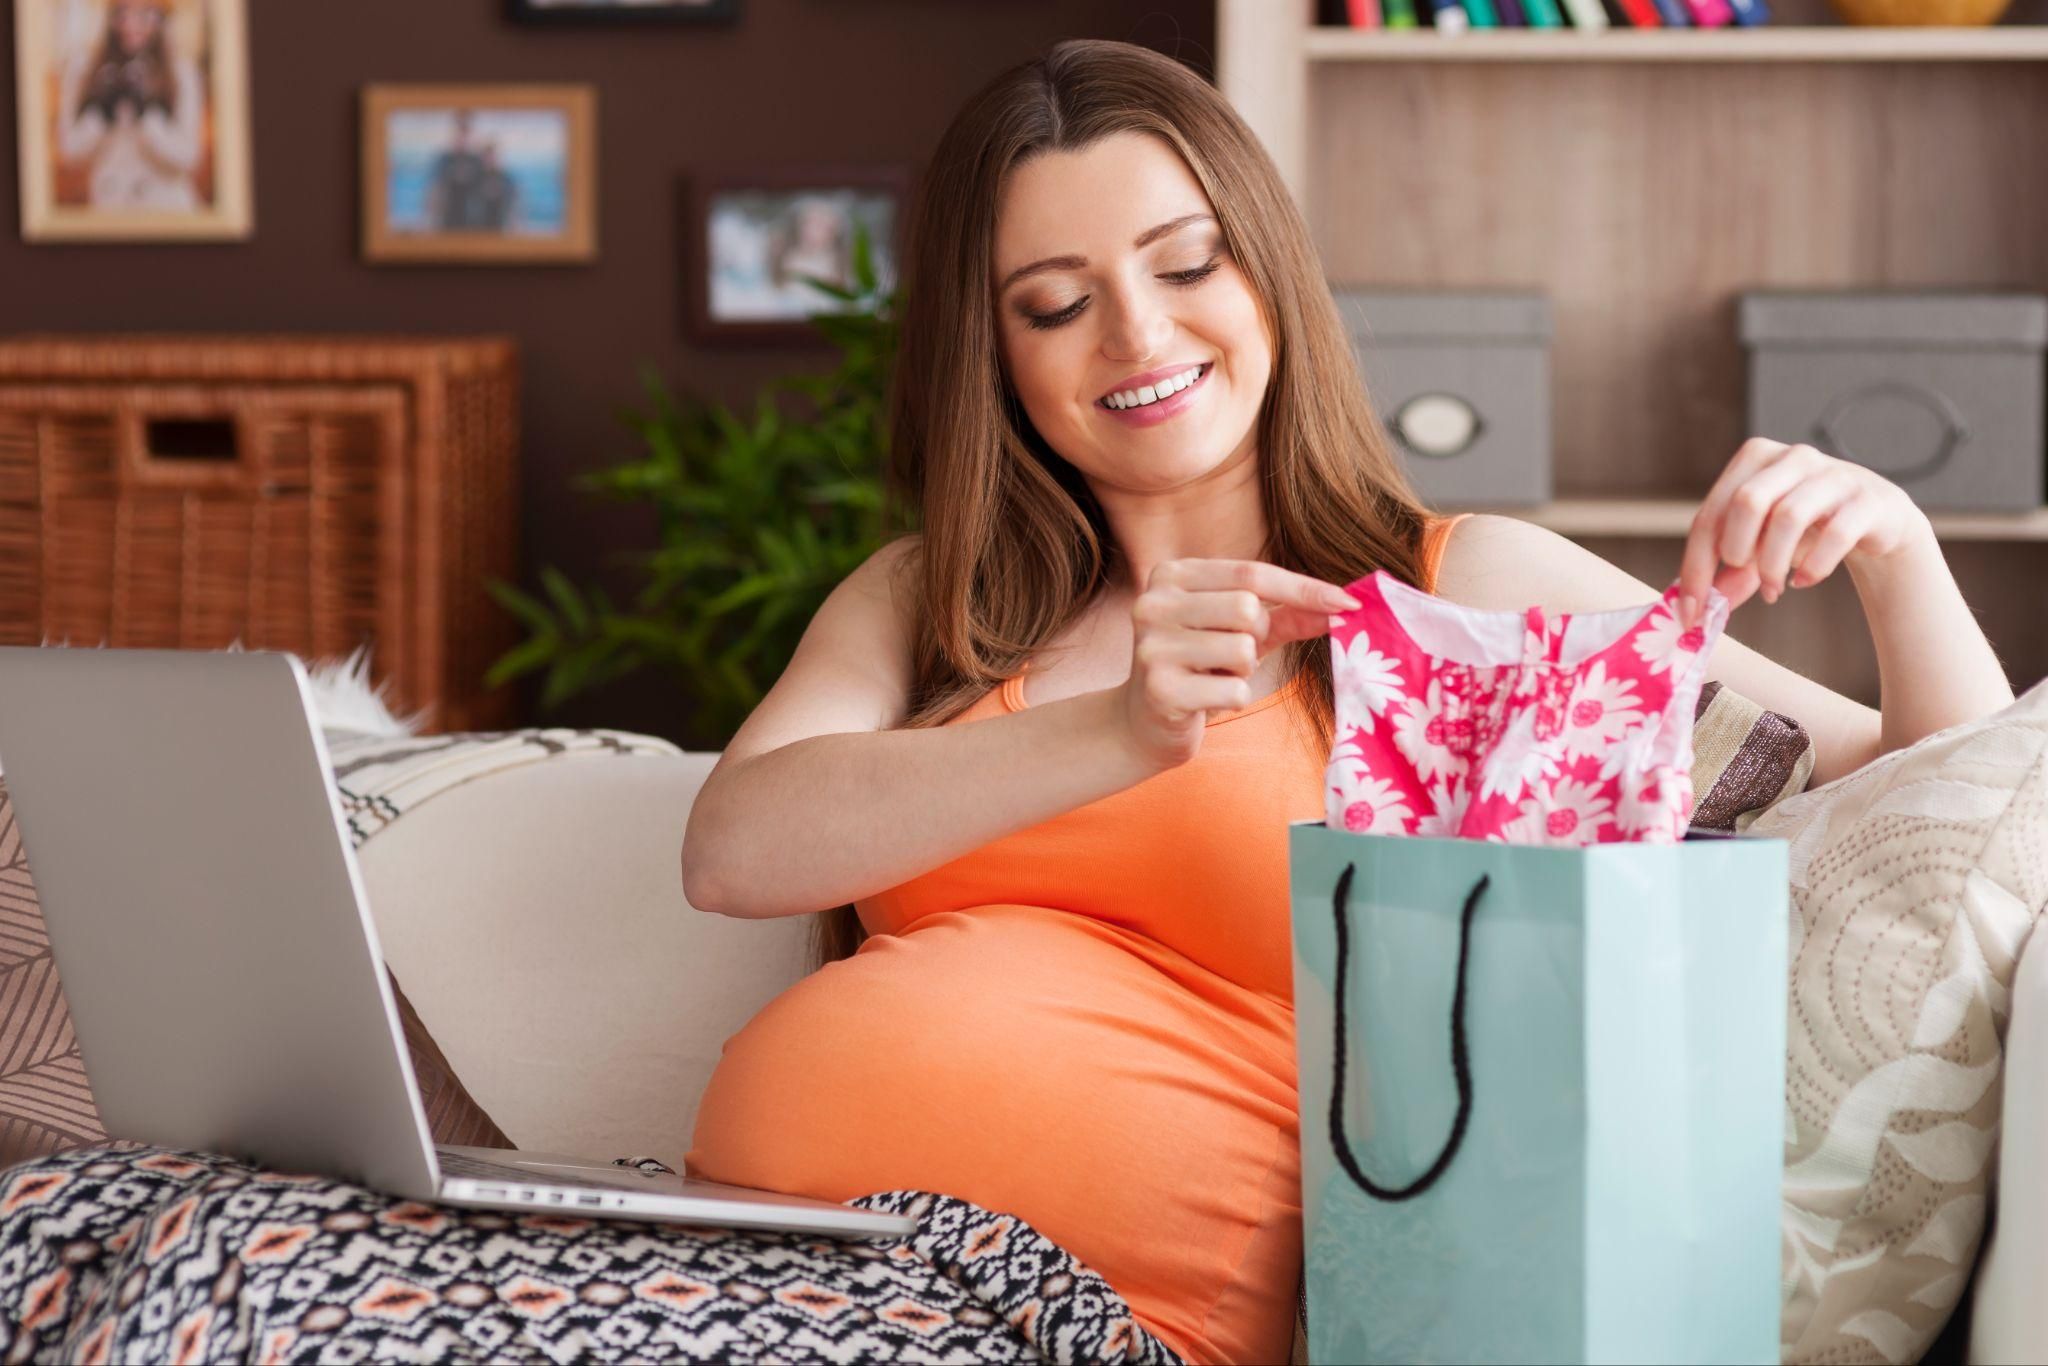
1461	1063
1954	431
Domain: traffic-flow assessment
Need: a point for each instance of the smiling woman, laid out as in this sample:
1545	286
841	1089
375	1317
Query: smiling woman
1049	748
1064	728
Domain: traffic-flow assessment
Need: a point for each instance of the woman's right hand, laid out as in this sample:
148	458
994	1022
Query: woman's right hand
1199	631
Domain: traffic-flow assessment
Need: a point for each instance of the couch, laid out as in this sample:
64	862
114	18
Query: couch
536	917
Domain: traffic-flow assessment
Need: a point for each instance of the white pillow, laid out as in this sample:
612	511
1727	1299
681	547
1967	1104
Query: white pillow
1915	883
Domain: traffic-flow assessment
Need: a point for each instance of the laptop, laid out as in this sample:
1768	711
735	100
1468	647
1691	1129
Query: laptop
224	975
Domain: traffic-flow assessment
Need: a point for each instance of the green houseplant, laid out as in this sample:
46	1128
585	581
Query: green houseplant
757	520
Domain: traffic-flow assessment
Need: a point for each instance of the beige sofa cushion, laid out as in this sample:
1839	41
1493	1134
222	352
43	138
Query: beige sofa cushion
538	920
1916	881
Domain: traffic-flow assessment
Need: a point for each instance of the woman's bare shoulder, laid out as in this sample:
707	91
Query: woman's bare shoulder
1495	562
851	670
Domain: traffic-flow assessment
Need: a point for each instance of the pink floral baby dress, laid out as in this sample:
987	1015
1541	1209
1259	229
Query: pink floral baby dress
1570	729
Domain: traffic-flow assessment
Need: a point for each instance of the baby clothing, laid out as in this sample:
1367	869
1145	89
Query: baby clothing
1566	729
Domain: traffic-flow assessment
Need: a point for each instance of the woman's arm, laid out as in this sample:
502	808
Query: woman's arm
1932	659
1786	515
815	803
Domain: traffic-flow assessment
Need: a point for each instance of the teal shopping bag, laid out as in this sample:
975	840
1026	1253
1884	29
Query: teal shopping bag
1547	1122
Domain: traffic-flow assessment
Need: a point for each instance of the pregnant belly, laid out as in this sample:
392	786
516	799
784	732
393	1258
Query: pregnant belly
1128	1104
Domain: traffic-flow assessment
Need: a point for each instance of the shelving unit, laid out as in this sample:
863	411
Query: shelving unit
1767	43
1671	518
1643	179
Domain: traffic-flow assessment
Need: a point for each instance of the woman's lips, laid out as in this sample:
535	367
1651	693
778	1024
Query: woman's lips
1151	414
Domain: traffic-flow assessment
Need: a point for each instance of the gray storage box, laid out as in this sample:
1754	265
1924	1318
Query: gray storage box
1461	382
1939	391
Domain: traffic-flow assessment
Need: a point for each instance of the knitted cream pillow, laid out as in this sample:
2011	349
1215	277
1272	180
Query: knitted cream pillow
1915	883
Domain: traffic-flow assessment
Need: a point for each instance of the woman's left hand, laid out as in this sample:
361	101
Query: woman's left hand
1785	515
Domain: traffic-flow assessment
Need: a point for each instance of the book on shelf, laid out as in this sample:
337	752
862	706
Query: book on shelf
1455	16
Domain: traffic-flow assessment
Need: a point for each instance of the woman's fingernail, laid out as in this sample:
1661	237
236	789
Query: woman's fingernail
1688	608
1344	602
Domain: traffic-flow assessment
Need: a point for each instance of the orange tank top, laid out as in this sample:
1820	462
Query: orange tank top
1088	1023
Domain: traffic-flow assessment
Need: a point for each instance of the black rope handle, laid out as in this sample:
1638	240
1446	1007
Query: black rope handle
1461	1066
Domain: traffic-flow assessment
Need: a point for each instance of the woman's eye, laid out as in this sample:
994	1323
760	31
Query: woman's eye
1067	314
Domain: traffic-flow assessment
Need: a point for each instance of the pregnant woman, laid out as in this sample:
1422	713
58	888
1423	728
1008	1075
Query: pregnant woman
1048	748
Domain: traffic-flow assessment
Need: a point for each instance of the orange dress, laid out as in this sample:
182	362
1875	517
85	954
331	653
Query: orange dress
1088	1023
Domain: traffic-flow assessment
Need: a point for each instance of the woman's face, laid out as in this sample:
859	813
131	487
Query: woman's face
1115	300
135	24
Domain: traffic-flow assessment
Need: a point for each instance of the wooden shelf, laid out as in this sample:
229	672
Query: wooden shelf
1764	43
1671	518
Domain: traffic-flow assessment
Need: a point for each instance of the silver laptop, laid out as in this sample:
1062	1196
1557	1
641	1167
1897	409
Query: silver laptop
223	972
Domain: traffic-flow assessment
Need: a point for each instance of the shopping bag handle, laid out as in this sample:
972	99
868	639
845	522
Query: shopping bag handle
1461	1067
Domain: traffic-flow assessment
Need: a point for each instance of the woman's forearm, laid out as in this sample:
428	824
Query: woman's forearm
829	819
1935	667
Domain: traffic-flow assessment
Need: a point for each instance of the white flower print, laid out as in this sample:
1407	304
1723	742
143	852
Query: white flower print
1367	681
1663	645
1423	735
1366	805
1655	806
1449	799
1518	761
1602	711
1568	814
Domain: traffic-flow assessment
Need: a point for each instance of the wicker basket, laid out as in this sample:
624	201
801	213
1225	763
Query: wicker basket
294	493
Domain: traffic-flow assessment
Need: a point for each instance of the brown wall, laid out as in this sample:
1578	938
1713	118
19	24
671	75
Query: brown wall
791	81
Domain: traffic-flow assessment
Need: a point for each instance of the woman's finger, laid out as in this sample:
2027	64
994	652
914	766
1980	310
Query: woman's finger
1838	538
1232	652
1749	506
1269	581
1290	624
1233	609
1698	561
1806	503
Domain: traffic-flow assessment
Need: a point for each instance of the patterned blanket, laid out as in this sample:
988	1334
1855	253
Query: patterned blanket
128	1252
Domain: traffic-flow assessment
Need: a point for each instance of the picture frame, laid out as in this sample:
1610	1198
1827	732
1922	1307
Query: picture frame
748	234
479	174
571	12
133	120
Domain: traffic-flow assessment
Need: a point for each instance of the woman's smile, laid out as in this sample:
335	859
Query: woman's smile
1158	410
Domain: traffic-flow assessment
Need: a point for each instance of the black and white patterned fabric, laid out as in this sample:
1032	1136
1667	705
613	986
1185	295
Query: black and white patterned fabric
130	1252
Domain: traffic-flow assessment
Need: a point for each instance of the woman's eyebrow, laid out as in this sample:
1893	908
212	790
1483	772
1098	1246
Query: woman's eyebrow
1144	239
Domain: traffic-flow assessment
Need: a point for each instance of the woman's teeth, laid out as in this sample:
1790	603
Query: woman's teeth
1152	393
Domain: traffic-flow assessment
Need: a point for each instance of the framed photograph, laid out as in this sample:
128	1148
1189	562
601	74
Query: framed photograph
626	11
133	120
752	237
479	174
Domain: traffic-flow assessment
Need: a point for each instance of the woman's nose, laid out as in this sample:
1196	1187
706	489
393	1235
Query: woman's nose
1138	329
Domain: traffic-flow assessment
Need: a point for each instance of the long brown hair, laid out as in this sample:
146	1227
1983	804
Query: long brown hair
1014	547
